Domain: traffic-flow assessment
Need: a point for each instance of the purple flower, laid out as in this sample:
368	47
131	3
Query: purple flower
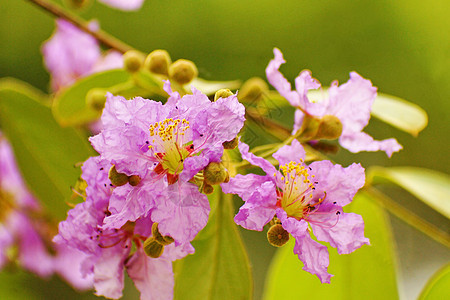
166	146
71	54
301	196
23	227
351	103
111	251
124	4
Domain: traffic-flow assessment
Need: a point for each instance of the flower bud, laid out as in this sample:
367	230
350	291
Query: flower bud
96	99
231	144
183	71
253	89
330	128
215	173
153	248
207	189
158	62
163	240
117	179
132	60
310	127
223	93
134	180
277	235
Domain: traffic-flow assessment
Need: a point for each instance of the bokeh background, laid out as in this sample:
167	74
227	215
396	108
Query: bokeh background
403	46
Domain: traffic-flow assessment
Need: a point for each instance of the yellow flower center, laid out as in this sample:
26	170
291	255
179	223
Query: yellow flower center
295	194
169	139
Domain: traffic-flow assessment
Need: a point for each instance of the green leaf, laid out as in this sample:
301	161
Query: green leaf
400	113
219	268
432	187
437	287
45	152
367	273
70	106
211	87
17	85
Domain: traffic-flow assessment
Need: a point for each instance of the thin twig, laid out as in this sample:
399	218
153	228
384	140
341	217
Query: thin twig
103	37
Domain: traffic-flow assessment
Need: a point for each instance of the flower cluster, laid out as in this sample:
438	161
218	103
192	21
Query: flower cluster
351	103
301	197
144	201
25	232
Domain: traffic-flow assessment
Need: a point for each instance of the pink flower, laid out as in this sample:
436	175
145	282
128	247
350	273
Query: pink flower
110	251
351	103
166	146
71	54
23	226
124	4
301	196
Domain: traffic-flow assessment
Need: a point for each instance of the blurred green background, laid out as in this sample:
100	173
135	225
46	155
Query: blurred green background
403	46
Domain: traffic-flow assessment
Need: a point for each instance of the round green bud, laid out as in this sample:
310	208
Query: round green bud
96	99
132	60
330	128
183	71
215	173
253	89
231	144
134	180
207	189
153	248
310	127
158	61
223	93
117	179
277	235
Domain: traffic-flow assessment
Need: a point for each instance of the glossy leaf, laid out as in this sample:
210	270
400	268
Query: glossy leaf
430	186
367	273
70	106
211	87
219	268
45	152
438	287
400	113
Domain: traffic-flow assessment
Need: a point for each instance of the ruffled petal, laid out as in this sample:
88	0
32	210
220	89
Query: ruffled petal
314	256
255	160
243	185
182	211
278	81
361	141
288	153
259	208
153	277
346	235
108	272
340	184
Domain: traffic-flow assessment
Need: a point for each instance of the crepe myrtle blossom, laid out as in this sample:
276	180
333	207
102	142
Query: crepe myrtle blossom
350	102
124	4
111	251
25	233
302	198
71	54
165	146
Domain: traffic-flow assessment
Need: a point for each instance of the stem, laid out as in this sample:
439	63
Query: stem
103	37
408	217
